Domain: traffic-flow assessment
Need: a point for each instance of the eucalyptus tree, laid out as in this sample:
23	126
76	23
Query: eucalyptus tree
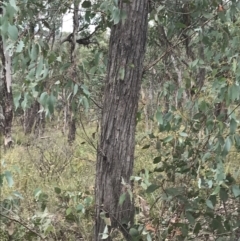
6	101
31	32
115	158
195	141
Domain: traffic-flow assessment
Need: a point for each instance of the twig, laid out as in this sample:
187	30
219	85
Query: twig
24	225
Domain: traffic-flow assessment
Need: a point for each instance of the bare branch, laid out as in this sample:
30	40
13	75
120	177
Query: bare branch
24	225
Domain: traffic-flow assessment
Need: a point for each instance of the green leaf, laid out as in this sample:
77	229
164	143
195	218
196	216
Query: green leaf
25	102
197	228
20	46
13	4
57	190
31	74
227	225
37	192
122	198
151	136
208	15
152	188
39	67
133	232
34	52
115	2
167	139
234	65
236	190
116	15
209	204
190	218
86	4
8	176
18	195
156	160
4	26
85	90
233	92
16	98
227	146
43	99
233	126
68	211
80	208
50	103
146	147
88	16
75	89
220	173
183	134
85	103
104	6
160	7
194	63
13	32
44	72
216	224
213	199
149	237
216	190
159	118
237	140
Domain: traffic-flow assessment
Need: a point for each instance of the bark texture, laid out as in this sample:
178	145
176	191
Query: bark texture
117	142
6	97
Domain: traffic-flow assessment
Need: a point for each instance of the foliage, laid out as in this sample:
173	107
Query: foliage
187	161
36	204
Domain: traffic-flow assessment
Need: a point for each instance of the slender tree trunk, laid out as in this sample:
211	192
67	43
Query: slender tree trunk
117	142
33	120
151	98
6	97
72	110
72	128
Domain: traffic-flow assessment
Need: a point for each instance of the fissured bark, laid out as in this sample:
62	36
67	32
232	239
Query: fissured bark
117	142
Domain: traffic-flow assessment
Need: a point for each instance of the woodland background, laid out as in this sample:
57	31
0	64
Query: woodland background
186	172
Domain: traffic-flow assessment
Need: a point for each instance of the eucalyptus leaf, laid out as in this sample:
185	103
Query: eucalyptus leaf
152	188
13	32
86	4
9	178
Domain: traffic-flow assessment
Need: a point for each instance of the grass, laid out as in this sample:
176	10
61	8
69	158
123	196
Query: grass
49	172
39	167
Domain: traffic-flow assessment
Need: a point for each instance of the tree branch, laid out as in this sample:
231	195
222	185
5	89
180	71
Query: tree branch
83	41
24	225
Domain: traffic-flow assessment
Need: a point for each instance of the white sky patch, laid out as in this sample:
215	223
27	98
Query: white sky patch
67	25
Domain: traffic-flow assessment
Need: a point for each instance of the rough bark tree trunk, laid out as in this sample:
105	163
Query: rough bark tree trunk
117	142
